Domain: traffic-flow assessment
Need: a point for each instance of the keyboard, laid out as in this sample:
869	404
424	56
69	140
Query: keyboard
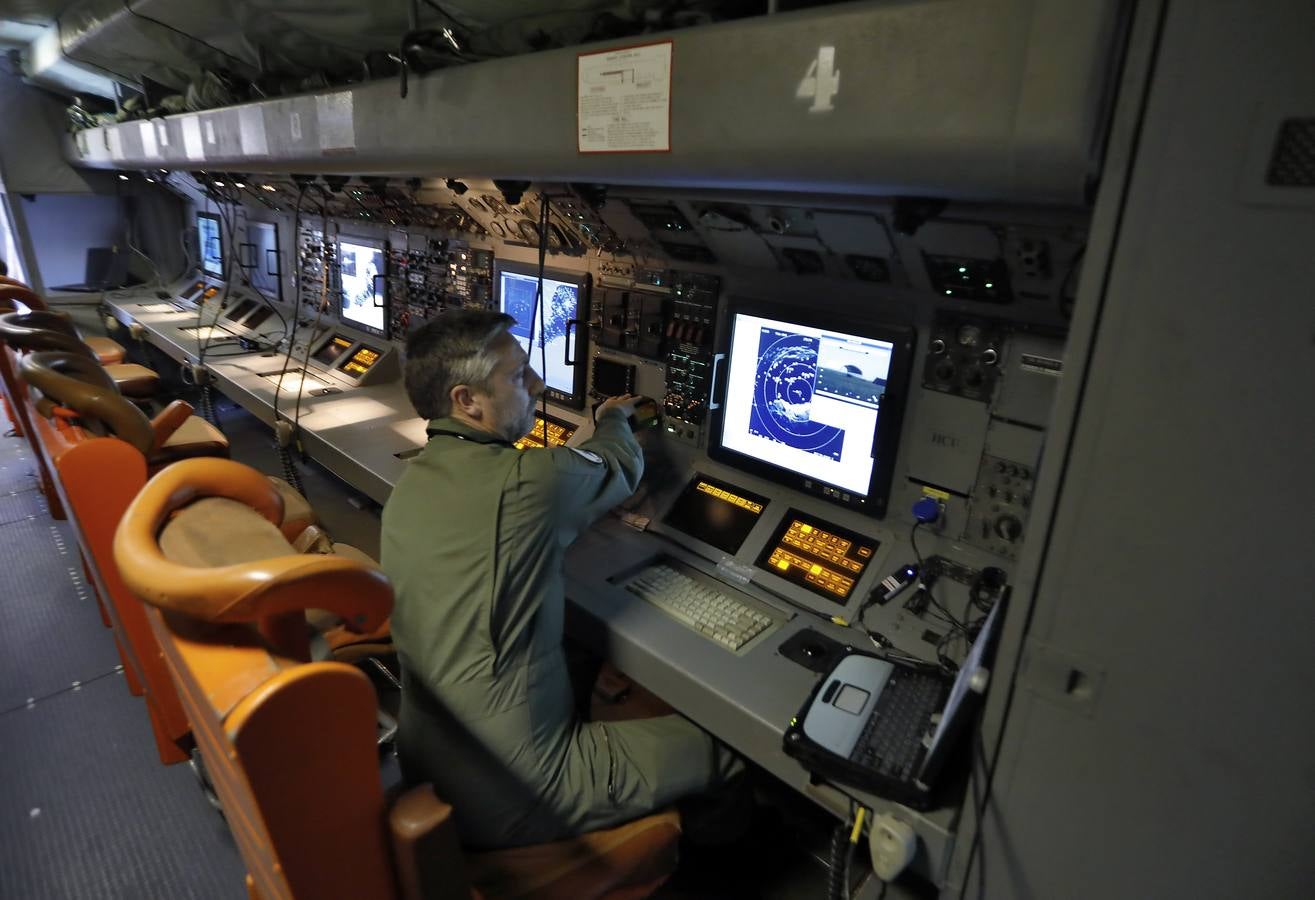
558	435
891	740
703	609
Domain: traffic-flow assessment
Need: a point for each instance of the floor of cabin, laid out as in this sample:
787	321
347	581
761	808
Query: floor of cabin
86	808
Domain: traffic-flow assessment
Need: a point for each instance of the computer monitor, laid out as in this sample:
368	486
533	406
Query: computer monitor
363	287
812	401
210	239
262	262
564	305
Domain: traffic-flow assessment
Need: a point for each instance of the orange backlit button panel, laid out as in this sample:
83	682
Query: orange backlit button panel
814	573
823	558
727	496
558	435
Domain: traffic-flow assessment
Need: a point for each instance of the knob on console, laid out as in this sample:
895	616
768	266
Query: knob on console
937	347
1009	528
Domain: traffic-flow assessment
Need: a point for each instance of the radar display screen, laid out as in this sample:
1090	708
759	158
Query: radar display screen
550	338
716	512
209	236
333	349
814	402
818	556
361	361
361	273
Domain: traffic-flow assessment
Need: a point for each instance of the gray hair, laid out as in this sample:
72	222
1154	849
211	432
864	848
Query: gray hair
449	350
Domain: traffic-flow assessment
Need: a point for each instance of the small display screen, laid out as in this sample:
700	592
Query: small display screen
359	265
556	435
331	351
551	340
212	246
240	310
258	317
264	265
823	558
361	361
716	513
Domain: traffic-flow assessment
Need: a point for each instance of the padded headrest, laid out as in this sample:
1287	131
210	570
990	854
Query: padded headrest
42	330
23	294
239	592
80	383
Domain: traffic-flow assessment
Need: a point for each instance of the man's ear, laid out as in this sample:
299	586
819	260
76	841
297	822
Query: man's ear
465	402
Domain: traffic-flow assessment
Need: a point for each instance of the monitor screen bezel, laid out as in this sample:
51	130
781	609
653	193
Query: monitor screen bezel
261	265
893	403
380	244
200	244
580	343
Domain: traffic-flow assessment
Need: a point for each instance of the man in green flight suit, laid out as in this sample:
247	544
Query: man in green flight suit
473	540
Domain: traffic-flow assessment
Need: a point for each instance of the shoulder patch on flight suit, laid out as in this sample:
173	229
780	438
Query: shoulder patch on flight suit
588	454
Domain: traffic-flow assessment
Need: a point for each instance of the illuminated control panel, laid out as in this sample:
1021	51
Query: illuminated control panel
818	556
558	433
361	361
730	497
333	349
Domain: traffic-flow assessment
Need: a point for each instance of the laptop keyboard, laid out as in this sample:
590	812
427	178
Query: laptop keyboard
891	740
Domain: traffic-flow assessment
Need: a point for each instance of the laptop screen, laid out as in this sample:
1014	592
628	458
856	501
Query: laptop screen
957	709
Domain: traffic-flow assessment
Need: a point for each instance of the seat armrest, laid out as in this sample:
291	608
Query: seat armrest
426	849
167	421
254	591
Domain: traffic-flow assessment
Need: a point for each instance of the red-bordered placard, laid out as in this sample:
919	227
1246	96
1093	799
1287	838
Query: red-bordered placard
631	81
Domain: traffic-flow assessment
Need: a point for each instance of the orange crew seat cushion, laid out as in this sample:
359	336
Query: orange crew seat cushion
108	352
133	380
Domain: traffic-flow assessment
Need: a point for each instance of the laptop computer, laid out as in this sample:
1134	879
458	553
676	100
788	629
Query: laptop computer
888	727
105	271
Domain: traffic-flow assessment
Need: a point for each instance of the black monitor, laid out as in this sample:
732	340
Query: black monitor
716	512
813	401
210	239
362	283
262	259
564	305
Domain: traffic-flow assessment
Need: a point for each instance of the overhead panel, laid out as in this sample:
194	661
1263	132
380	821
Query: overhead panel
918	98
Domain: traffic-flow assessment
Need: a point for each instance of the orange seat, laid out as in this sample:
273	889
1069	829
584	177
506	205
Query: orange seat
290	744
82	388
47	330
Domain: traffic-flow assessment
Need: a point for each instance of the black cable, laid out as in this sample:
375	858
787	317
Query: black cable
1065	301
979	805
326	271
835	882
127	5
538	303
296	307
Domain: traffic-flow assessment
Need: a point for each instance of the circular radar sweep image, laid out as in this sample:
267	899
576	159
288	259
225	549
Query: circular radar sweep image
783	395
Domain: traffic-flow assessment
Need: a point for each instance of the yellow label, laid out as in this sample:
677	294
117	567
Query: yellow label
935	494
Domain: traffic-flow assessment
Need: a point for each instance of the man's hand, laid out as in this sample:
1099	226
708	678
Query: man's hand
626	403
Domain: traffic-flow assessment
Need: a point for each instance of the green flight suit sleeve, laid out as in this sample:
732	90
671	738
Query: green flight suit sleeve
590	479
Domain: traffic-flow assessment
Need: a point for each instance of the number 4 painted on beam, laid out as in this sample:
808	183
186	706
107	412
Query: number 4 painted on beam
821	82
